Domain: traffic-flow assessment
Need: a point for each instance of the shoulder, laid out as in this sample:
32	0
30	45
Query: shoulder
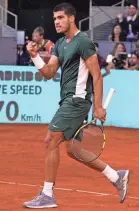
60	40
83	38
84	41
57	46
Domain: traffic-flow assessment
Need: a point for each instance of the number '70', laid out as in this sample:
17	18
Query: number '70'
9	106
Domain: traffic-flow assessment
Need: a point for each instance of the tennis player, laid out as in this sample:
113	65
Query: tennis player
76	56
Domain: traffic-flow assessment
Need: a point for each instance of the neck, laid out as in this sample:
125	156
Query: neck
117	37
71	32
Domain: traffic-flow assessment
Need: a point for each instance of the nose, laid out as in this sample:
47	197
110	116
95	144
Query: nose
56	22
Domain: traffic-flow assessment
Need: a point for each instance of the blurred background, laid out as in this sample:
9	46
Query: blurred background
106	23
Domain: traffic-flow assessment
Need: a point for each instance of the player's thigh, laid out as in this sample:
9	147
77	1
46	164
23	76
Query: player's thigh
70	117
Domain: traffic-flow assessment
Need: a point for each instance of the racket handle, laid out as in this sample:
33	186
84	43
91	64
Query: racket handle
108	99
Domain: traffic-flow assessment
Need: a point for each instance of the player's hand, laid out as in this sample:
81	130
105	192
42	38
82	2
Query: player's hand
32	48
100	113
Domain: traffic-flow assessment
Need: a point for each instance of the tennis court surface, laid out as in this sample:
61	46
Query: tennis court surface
78	188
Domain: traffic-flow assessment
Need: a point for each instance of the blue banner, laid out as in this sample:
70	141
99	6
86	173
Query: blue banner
26	97
123	110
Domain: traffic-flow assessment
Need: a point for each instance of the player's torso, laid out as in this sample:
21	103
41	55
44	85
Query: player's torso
69	62
68	54
71	66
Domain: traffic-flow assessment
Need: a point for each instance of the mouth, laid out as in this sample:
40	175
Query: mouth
58	27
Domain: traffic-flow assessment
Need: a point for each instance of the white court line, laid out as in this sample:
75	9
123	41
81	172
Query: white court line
66	189
63	189
91	192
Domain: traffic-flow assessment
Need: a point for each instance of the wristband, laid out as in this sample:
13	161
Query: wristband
38	62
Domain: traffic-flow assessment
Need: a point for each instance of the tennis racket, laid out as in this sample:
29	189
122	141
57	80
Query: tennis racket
92	137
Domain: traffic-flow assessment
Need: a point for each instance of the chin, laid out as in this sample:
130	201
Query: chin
60	32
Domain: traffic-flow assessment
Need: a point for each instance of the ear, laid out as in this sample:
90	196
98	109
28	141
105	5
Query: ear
72	19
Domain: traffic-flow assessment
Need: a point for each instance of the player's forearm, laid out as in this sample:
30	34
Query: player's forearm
98	90
47	71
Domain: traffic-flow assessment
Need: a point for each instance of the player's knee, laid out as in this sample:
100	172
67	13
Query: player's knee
53	139
47	140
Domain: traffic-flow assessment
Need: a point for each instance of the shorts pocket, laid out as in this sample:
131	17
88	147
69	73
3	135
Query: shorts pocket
77	101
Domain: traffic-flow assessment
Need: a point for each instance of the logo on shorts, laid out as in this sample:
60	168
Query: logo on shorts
55	126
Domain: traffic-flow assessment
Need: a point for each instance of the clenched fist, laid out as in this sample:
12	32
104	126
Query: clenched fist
32	48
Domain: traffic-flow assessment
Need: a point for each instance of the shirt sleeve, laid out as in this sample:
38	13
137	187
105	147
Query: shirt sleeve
86	48
109	58
55	50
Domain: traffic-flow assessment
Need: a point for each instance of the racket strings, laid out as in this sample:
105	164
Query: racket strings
92	143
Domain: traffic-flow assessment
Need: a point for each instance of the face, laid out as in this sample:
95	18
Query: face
117	29
62	21
36	37
120	49
129	11
132	10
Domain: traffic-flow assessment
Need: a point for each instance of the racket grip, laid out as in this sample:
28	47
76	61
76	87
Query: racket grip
108	99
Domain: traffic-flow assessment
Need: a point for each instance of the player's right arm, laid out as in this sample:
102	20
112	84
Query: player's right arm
47	70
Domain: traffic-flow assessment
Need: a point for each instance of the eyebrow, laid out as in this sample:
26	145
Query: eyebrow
59	16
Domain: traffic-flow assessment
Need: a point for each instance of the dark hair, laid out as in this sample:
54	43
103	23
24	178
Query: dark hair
122	36
67	8
132	3
134	54
39	30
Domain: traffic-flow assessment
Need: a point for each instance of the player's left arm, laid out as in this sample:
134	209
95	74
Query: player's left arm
93	67
47	70
88	54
